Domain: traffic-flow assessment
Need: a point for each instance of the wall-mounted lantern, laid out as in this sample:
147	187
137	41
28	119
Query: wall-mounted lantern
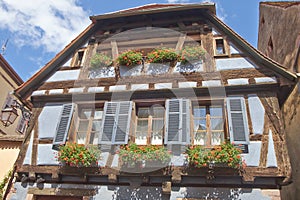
9	113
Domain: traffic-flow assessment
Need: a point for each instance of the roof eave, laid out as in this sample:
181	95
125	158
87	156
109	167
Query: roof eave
10	71
179	7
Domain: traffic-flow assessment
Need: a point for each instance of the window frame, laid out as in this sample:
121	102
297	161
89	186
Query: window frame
149	120
208	131
225	47
90	120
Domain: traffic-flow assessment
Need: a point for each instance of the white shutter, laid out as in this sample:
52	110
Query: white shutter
63	125
185	121
237	118
21	127
123	122
116	123
177	129
108	122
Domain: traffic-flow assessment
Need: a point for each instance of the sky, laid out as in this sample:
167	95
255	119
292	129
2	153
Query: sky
35	31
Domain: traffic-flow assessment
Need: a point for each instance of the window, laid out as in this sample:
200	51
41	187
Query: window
150	125
78	60
89	125
208	125
220	47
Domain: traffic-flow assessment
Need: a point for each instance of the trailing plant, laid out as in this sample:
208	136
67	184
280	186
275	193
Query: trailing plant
100	60
130	58
78	155
133	153
4	183
162	55
225	153
192	53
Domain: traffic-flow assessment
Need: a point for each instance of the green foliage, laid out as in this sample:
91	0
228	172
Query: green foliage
77	155
226	153
192	53
4	183
100	60
133	153
162	55
130	58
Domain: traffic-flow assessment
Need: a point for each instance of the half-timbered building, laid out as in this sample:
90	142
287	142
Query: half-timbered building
231	92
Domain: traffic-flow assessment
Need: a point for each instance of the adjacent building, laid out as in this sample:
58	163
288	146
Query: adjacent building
108	89
279	39
11	137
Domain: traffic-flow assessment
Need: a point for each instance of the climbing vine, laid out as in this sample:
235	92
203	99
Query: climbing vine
3	183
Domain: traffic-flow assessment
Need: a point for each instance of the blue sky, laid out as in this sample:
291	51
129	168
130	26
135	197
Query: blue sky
38	30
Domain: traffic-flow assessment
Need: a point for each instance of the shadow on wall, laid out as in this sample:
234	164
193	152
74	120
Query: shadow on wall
125	193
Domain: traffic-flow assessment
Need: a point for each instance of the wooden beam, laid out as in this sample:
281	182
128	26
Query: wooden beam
180	42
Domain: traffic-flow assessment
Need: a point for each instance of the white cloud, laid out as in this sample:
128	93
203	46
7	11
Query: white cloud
50	24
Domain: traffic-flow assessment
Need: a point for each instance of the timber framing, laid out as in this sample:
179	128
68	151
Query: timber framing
233	93
203	93
190	176
100	22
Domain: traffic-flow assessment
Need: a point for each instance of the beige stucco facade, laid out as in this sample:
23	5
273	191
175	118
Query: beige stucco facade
10	139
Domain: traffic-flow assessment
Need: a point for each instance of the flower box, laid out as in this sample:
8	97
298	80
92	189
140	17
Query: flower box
144	157
78	155
225	155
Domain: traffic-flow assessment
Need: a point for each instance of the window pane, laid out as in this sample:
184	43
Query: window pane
220	46
158	112
200	138
85	113
199	111
199	124
216	123
157	125
157	131
216	111
142	125
98	114
83	125
81	136
94	138
217	138
142	132
143	112
96	126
